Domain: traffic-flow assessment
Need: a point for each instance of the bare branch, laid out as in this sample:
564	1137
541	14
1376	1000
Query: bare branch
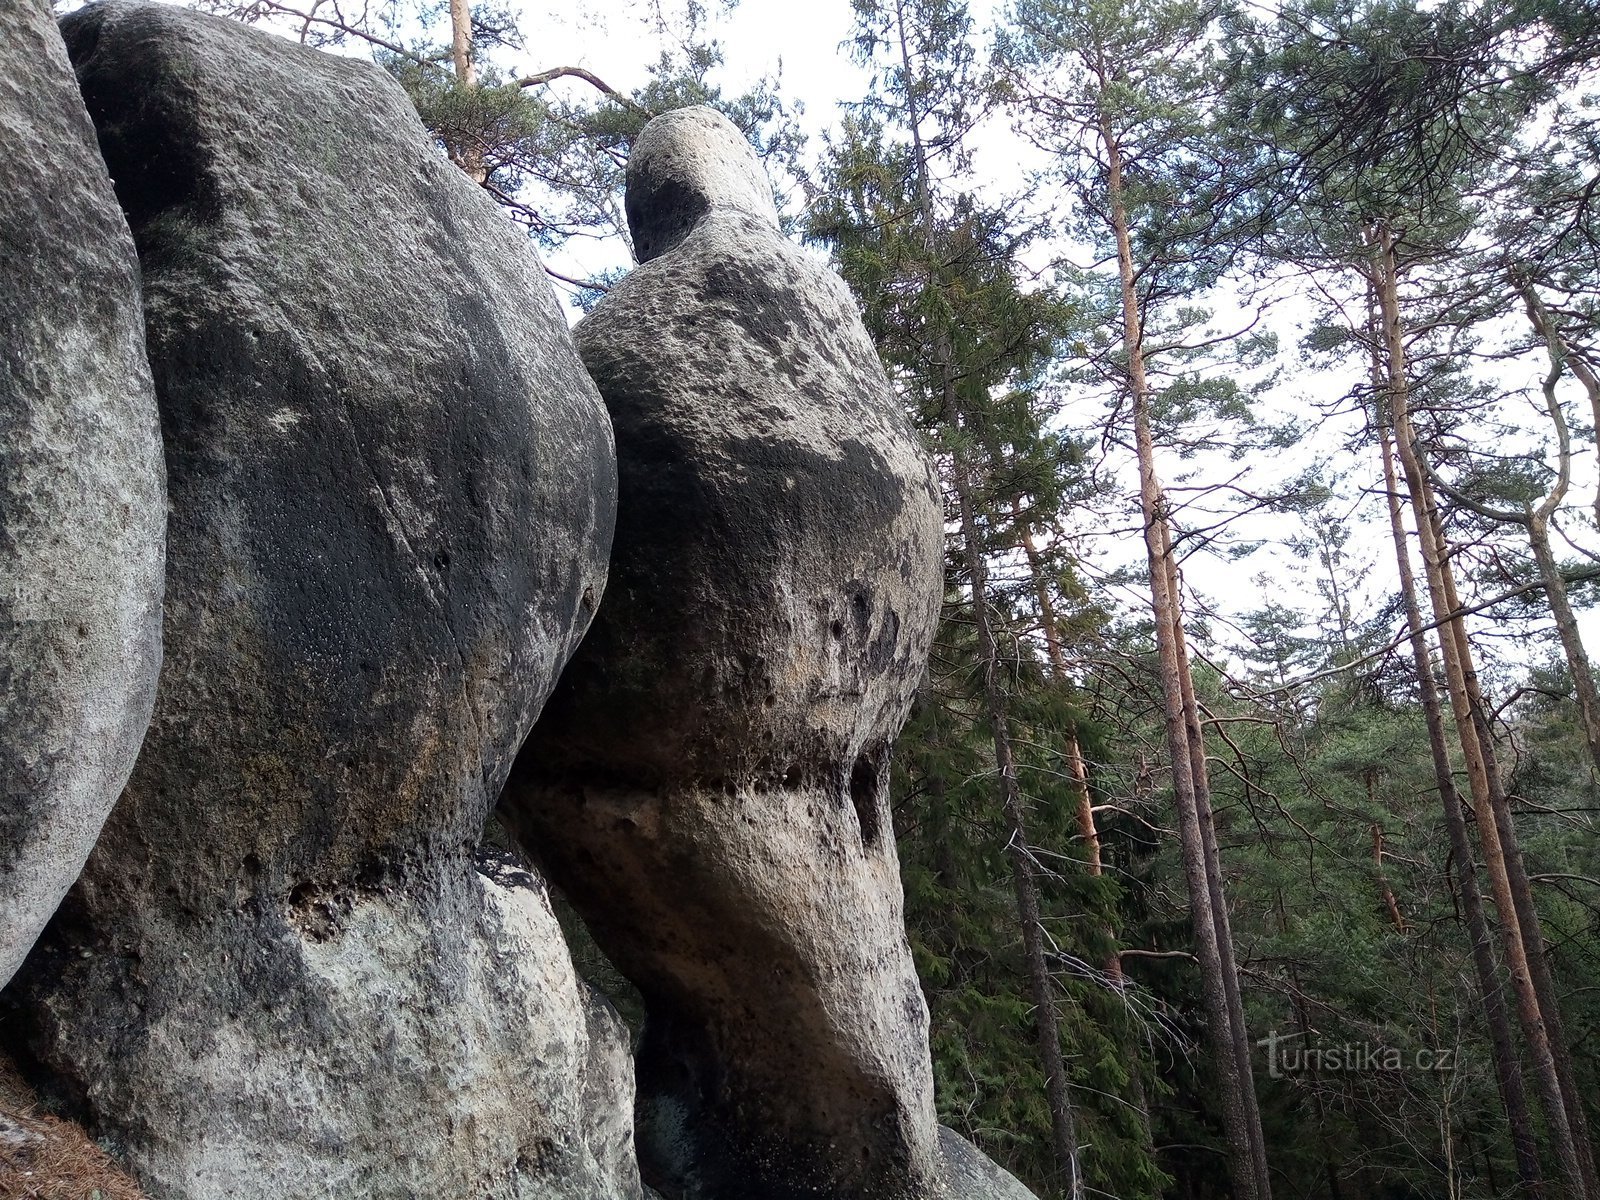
541	78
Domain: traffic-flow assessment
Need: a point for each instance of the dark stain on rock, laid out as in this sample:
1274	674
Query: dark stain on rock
661	213
758	302
157	160
865	783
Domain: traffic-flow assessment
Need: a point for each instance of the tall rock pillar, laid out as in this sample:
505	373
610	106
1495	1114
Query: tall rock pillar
709	780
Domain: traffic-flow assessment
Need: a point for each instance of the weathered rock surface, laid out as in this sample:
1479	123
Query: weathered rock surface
82	502
970	1175
284	972
708	782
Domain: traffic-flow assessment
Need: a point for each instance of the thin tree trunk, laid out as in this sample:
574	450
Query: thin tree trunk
1566	622
1058	671
468	158
1538	520
1341	608
1471	728
1063	1124
1535	520
461	43
1582	370
1396	917
1219	900
1191	797
1087	829
1329	1169
1064	1134
1521	889
1079	772
1507	1071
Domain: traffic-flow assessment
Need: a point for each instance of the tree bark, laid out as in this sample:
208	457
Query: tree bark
468	157
1507	1071
1247	1163
1219	901
1566	622
461	43
1058	671
1087	830
1392	905
1064	1133
1537	521
1527	914
1472	732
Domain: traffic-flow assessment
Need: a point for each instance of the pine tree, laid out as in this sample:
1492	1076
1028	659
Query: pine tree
1118	92
1423	95
554	158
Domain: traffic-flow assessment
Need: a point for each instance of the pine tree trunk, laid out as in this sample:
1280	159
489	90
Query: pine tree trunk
1507	1071
468	158
461	43
1577	363
1247	1165
1219	901
1566	622
1472	730
1392	905
1058	671
1537	521
1064	1134
1521	889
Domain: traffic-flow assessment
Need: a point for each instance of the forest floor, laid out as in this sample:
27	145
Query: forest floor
45	1158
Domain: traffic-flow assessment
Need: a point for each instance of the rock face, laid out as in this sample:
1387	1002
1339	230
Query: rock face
708	782
969	1175
82	499
285	971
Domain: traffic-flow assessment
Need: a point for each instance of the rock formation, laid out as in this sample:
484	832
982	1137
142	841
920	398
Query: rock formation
289	969
82	506
708	782
970	1175
284	972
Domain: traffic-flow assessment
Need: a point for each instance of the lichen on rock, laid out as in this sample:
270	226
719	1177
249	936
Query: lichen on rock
285	971
82	489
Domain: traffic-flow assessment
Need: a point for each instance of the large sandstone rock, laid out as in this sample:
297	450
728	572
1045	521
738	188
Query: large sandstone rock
970	1175
284	973
708	781
82	505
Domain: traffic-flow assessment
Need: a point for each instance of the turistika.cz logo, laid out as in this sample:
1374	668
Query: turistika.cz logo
1288	1054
